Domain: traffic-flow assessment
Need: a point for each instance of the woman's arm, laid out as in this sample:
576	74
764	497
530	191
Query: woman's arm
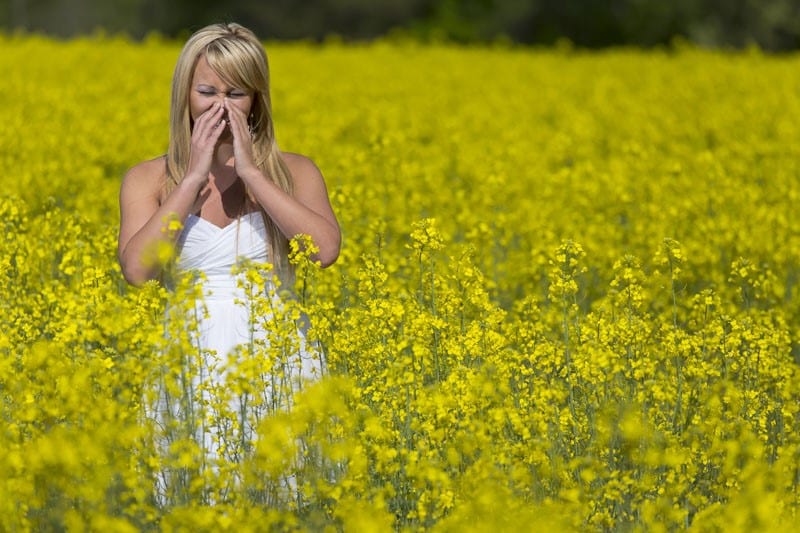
143	219
308	211
144	222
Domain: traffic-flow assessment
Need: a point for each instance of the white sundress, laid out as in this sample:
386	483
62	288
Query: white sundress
224	417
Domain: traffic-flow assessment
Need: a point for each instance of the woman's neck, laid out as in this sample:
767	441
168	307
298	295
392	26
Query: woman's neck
223	153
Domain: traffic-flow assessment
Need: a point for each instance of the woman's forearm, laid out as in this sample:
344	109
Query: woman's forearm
293	218
139	256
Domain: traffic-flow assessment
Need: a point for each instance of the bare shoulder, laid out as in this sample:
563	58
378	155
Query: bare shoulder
303	169
145	179
309	185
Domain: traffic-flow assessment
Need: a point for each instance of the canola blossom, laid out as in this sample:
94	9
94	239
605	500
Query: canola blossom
567	297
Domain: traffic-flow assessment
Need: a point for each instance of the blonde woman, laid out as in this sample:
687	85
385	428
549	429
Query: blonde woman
235	193
223	162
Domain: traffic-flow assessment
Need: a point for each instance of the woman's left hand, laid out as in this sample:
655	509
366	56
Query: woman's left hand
242	143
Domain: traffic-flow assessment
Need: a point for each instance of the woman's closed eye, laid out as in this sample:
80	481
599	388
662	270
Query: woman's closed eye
233	93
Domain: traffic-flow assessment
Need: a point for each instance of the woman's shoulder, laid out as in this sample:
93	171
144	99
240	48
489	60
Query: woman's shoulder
147	176
301	166
150	170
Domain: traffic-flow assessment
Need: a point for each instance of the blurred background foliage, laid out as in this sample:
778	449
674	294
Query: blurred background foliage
772	25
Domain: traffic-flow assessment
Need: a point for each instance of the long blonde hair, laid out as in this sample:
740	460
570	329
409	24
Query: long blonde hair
238	57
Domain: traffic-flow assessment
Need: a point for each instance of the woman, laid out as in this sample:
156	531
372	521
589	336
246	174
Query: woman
223	161
237	196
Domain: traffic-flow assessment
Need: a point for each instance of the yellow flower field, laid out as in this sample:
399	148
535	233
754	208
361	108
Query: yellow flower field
567	296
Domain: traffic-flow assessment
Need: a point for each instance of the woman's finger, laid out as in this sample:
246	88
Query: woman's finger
241	131
236	117
207	121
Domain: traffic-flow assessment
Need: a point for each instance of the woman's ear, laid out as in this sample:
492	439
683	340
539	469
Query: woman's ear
253	116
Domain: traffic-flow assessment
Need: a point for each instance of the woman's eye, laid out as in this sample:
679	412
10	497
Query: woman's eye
236	94
207	93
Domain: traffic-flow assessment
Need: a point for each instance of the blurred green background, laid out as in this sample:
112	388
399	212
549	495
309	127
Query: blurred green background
772	25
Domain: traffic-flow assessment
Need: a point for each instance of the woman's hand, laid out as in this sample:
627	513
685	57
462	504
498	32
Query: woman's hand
207	129
243	161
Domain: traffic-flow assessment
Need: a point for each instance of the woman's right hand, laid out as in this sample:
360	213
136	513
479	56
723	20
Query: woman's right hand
207	129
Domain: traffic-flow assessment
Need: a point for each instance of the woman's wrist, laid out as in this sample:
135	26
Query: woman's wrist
193	181
250	175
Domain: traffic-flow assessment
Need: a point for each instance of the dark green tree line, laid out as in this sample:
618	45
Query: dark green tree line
770	24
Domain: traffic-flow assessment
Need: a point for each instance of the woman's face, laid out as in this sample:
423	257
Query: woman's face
207	87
